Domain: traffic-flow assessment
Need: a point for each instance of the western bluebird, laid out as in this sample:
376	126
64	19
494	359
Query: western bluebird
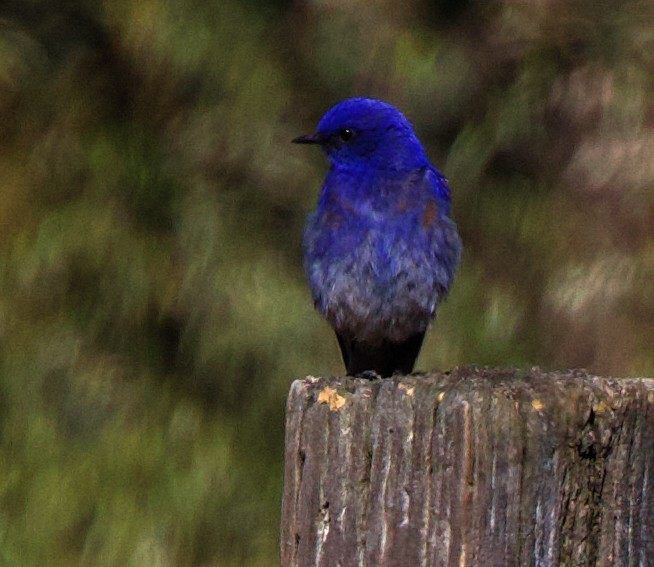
381	249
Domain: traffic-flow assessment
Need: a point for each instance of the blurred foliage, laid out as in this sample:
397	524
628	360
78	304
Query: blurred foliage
153	311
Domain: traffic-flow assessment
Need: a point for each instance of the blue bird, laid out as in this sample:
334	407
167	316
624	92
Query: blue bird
381	249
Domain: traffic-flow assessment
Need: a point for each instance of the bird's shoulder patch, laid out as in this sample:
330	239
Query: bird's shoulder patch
430	214
333	219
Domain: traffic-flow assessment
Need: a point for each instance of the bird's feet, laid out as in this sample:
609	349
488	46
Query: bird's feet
368	375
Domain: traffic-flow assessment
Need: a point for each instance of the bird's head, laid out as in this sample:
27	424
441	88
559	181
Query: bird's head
368	133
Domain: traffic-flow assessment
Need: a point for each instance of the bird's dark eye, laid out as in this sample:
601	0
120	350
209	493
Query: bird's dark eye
346	134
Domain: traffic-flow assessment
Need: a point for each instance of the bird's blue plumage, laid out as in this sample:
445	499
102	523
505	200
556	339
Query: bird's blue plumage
381	249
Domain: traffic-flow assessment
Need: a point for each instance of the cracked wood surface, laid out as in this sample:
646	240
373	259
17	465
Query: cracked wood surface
475	467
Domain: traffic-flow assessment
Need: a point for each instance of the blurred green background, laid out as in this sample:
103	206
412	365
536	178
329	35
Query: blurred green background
153	310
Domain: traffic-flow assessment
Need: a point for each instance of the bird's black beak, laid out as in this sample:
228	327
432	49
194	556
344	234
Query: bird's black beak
309	139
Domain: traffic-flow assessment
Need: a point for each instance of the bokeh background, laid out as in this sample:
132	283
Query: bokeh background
153	311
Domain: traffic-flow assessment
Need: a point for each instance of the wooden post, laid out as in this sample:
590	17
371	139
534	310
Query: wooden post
477	467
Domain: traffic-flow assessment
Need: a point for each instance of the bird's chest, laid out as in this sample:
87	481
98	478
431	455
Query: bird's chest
379	249
377	231
370	230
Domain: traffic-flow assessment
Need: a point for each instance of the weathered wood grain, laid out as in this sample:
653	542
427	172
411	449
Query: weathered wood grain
474	467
